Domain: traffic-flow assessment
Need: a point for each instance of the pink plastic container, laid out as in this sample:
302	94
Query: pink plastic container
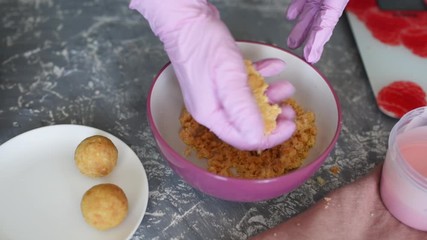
404	174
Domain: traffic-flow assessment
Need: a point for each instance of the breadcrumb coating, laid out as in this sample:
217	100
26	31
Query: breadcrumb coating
225	160
269	112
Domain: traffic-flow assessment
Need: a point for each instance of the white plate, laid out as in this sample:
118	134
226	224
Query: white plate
41	188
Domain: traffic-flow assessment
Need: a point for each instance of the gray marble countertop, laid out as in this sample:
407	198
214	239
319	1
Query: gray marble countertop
92	62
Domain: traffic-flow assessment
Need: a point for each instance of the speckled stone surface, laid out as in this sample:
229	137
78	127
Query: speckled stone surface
92	62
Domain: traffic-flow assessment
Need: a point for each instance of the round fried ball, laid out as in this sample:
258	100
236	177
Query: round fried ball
96	156
104	206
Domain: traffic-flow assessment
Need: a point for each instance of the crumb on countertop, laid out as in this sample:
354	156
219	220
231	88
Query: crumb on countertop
320	181
335	170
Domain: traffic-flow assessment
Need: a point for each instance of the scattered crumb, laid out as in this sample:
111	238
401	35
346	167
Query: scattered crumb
327	199
321	181
298	224
335	170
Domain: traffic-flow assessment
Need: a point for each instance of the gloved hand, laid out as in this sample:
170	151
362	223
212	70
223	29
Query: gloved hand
315	23
211	73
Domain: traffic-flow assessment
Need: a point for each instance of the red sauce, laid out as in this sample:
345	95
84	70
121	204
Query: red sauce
407	28
360	7
401	97
415	39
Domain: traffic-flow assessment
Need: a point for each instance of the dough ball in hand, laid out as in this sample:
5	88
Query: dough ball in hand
104	206
96	156
269	112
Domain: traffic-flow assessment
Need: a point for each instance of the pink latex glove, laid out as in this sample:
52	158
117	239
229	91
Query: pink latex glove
211	73
316	20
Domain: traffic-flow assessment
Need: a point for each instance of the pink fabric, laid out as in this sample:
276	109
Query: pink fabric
352	212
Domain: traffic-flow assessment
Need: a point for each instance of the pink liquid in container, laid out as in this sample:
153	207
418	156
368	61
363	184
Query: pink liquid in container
404	174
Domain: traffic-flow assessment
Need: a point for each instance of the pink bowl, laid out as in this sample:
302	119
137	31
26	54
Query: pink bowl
313	92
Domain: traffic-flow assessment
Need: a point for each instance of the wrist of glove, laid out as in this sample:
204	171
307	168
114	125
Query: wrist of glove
212	75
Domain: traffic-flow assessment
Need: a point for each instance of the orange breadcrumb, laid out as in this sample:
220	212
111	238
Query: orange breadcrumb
226	160
269	112
335	170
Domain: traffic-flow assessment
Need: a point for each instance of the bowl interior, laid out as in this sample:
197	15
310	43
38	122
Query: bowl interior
312	92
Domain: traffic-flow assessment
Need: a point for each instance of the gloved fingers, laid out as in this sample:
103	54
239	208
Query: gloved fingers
279	91
315	43
287	113
233	92
334	8
322	29
304	24
229	133
247	132
294	9
284	130
269	67
250	136
244	127
255	139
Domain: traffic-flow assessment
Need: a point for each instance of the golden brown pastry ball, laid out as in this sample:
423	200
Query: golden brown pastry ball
96	156
104	206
